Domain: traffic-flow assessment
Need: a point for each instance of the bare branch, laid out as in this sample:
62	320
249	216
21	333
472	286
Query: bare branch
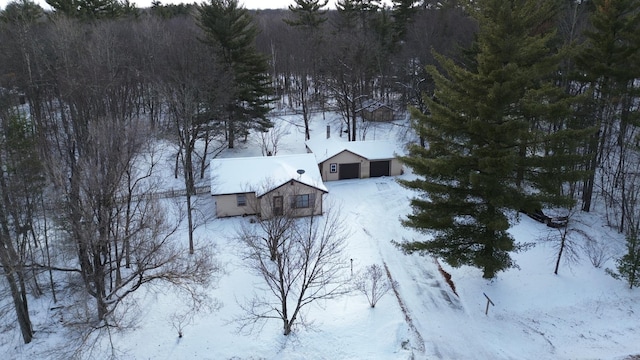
308	266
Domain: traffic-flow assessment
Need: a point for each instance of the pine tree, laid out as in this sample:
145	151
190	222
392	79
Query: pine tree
308	13
169	11
356	13
21	11
486	155
629	264
403	12
231	31
93	9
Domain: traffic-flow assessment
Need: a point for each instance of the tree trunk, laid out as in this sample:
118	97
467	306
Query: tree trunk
587	193
177	162
587	188
305	107
190	187
77	228
47	252
98	279
231	134
22	311
10	263
273	248
562	243
13	273
353	124
287	327
190	220
203	161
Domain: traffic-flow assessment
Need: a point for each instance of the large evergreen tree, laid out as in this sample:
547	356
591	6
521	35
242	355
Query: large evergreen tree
487	155
231	31
403	12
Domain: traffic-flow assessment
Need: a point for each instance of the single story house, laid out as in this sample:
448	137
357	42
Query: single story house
267	186
373	110
339	160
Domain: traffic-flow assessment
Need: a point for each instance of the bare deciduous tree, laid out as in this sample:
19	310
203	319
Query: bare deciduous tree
566	246
308	267
94	138
373	283
21	183
193	88
596	250
271	232
195	303
269	140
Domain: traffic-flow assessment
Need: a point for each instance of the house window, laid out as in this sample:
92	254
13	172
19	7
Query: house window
303	201
241	199
333	168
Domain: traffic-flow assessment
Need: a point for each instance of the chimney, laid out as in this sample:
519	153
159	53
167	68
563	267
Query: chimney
328	131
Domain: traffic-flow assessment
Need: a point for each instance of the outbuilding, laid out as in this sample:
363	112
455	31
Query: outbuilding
373	110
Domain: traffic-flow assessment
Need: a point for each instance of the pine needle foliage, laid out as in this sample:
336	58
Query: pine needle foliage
231	31
497	137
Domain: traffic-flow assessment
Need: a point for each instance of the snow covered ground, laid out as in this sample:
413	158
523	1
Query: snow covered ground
582	313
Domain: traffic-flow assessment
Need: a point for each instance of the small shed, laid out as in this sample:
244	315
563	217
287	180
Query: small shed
374	110
341	160
267	186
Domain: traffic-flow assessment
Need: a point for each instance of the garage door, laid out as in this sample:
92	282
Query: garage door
380	168
349	171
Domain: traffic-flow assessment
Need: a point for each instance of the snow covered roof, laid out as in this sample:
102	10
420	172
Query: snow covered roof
263	173
373	105
372	150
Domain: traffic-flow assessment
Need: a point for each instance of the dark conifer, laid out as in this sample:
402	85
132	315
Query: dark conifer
231	31
487	153
93	9
308	13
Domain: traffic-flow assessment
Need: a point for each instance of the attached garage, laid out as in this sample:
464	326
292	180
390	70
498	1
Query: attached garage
380	168
349	171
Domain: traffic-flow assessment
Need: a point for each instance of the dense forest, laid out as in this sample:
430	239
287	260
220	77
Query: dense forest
516	105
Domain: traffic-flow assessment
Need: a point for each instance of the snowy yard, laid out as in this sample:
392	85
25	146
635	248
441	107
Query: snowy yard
582	313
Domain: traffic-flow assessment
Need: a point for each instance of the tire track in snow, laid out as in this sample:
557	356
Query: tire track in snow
424	279
417	336
415	342
427	284
536	331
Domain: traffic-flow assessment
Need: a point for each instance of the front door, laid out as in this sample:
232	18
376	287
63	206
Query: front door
278	205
